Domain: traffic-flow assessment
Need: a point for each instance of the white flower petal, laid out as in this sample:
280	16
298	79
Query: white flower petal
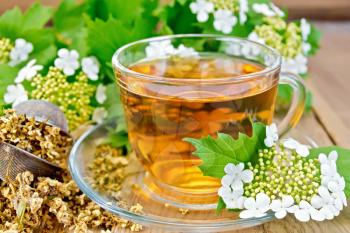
322	158
227	180
303	150
250	203
317	201
247	176
237	184
262	200
229	168
247	213
333	186
302	215
269	142
333	155
276	205
281	214
101	96
327	213
290	143
287	201
317	215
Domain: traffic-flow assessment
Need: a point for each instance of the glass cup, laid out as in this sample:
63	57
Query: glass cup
180	86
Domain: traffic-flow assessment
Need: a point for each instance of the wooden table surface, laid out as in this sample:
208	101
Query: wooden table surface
327	124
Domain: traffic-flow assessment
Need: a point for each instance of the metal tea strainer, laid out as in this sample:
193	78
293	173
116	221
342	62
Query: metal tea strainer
14	160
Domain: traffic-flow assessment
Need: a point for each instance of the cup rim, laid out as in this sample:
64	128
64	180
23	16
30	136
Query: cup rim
117	65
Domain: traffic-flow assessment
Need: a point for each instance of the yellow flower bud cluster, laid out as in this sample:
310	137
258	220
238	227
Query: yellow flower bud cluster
71	96
286	38
280	171
232	5
5	48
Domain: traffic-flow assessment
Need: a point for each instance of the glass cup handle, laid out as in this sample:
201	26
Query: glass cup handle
297	106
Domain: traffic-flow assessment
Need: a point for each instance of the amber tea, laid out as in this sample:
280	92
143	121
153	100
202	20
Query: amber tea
159	117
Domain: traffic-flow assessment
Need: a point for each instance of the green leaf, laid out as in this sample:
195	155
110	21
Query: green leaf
221	205
36	17
314	40
216	153
44	47
69	25
343	162
179	18
112	104
7	77
14	24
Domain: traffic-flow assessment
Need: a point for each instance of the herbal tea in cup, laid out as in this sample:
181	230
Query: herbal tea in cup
194	86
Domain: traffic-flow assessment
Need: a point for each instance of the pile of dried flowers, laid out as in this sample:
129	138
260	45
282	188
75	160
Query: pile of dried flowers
30	204
43	140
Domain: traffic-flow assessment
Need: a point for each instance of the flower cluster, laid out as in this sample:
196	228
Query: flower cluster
63	85
284	180
290	39
5	49
227	14
14	53
73	98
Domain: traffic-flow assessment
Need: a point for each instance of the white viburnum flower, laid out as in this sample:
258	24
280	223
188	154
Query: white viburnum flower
332	157
184	51
202	8
101	96
15	94
305	28
305	211
99	115
91	67
325	202
306	47
297	65
271	135
330	176
236	175
255	208
276	9
20	52
292	144
233	198
158	49
28	72
253	36
67	61
243	9
262	8
224	20
281	207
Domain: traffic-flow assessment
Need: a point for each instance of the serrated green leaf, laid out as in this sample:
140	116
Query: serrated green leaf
44	47
69	25
14	24
36	17
343	162
216	153
10	23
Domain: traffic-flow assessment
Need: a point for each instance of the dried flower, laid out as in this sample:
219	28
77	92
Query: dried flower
47	142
